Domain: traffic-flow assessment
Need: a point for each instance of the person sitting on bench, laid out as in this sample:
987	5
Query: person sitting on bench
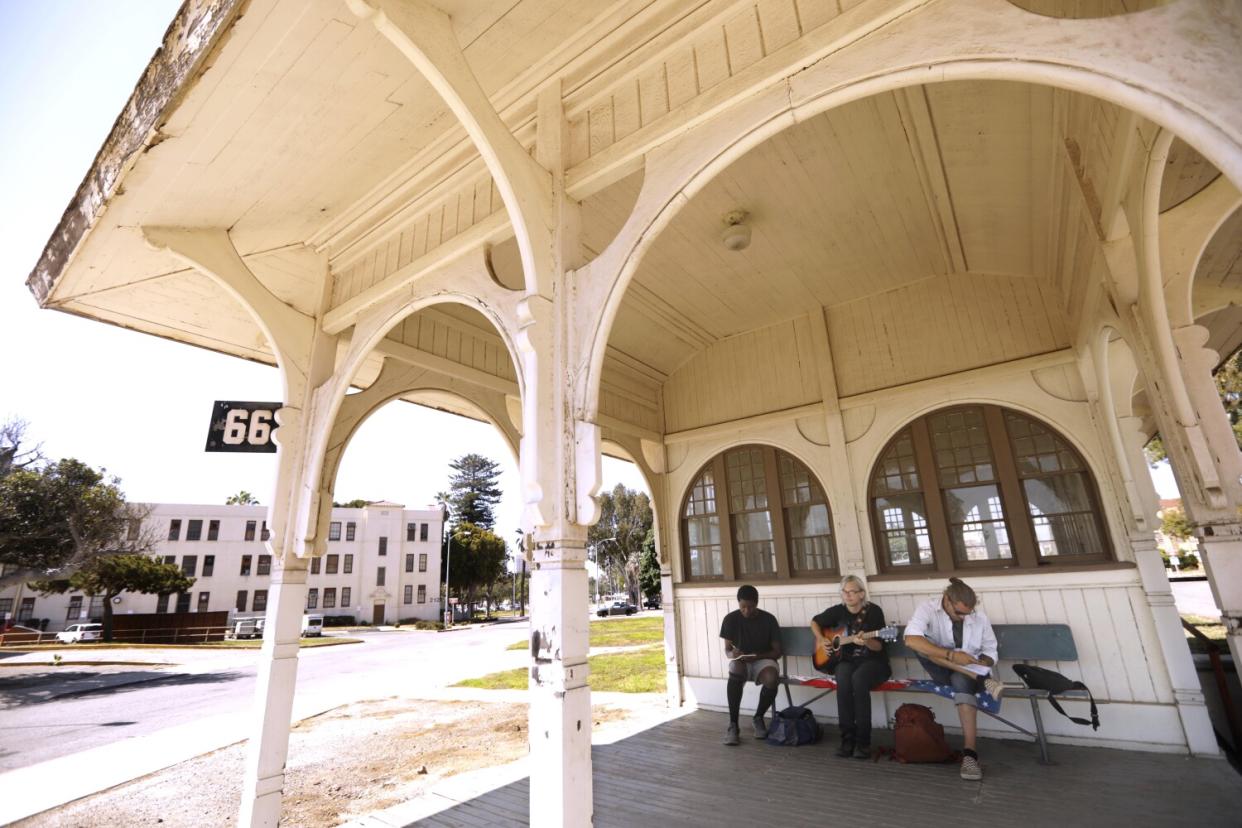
862	664
752	640
954	641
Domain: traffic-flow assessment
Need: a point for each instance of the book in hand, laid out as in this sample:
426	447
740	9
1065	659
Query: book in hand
977	669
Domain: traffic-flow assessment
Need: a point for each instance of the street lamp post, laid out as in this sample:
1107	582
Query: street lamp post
448	565
595	560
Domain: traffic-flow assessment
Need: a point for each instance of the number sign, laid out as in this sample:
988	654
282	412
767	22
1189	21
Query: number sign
242	426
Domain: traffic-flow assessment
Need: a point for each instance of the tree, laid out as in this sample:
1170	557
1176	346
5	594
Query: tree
1174	525
110	575
58	516
478	562
12	456
358	503
242	498
624	521
649	567
474	491
1229	386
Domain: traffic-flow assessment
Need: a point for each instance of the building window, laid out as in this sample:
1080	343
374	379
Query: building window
411	531
981	486
245	565
383	545
250	527
329	597
265	565
174	530
26	611
96	608
422	561
351	529
161	604
6	608
183	602
264	535
349	565
204	598
241	600
409	562
344	597
332	564
260	600
422	532
334	530
209	565
170	559
409	593
753	513
194	531
134	529
422	593
75	608
213	530
189	565
379	576
314	566
312	598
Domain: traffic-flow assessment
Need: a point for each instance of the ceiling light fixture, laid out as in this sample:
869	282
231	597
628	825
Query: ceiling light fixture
736	235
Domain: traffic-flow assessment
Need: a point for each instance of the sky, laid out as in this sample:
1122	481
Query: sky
135	404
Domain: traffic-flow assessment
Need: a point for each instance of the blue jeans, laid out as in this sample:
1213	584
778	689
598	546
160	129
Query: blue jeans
964	686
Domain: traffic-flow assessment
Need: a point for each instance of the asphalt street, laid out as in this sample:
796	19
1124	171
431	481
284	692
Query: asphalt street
33	730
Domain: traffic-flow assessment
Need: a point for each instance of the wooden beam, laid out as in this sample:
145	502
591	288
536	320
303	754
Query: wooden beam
447	367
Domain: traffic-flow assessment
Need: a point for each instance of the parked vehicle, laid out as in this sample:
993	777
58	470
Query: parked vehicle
616	608
248	628
312	625
651	603
77	633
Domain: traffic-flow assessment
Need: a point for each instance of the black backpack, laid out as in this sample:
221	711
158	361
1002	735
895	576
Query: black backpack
1037	678
794	726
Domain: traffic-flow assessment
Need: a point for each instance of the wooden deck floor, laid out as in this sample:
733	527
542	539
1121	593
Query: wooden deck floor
678	773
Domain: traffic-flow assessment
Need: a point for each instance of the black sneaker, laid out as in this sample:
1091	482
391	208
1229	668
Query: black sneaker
731	735
846	750
862	752
761	729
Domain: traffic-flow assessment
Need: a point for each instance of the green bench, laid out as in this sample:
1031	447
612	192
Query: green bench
1015	642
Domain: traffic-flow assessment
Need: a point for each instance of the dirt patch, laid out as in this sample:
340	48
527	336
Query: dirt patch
346	763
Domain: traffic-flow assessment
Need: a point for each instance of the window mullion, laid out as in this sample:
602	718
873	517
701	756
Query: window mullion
1013	499
725	516
933	500
776	513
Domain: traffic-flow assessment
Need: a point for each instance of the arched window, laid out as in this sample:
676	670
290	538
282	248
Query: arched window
755	512
981	486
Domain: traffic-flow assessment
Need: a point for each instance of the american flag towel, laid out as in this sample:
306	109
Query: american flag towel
986	701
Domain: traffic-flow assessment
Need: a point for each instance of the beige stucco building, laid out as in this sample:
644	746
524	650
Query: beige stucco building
894	287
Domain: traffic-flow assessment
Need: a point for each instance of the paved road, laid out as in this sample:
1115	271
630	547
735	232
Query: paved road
1195	598
385	664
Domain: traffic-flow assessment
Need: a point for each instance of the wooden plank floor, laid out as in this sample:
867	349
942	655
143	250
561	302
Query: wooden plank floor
679	773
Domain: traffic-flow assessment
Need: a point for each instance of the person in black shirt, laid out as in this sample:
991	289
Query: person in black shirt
863	665
752	643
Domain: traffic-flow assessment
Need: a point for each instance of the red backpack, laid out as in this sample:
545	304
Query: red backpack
918	738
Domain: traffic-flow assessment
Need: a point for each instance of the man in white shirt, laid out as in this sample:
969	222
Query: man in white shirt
950	636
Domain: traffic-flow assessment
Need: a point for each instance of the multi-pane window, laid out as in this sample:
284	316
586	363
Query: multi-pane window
422	593
312	598
265	565
951	489
183	602
174	529
263	533
161	604
204	598
756	512
189	565
75	608
209	565
170	559
409	562
26	611
344	597
213	530
194	531
329	597
422	531
241	600
250	527
334	530
383	545
409	593
349	565
351	529
260	600
134	529
379	576
411	531
422	561
6	607
245	565
314	566
332	564
96	607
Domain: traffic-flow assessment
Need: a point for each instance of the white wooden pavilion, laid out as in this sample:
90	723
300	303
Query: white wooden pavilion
894	287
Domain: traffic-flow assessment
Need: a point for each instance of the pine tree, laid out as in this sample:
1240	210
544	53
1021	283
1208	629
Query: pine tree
474	490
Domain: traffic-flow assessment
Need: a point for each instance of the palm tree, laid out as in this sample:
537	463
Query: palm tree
242	498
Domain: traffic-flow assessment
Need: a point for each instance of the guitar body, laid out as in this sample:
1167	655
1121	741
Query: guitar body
829	652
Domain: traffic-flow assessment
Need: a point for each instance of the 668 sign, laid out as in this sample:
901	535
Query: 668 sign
242	426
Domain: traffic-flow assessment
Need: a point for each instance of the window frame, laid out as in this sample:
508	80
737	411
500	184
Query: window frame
1014	503
777	510
194	529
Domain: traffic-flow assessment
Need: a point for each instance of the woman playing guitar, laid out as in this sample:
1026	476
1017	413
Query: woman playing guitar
862	664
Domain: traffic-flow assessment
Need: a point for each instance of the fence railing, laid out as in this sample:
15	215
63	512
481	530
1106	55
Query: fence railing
154	635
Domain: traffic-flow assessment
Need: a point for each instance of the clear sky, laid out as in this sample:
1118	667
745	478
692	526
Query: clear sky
136	404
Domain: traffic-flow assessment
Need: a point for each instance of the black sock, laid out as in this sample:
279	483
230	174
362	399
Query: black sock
971	754
734	693
766	697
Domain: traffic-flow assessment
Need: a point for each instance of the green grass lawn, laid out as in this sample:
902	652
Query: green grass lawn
1213	628
619	632
640	671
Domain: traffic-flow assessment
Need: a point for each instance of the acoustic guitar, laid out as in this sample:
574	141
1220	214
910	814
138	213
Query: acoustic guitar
827	653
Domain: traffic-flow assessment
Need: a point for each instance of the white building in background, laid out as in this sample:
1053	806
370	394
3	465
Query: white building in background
382	565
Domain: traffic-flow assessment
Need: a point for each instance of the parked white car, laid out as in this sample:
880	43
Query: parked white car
77	633
312	625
